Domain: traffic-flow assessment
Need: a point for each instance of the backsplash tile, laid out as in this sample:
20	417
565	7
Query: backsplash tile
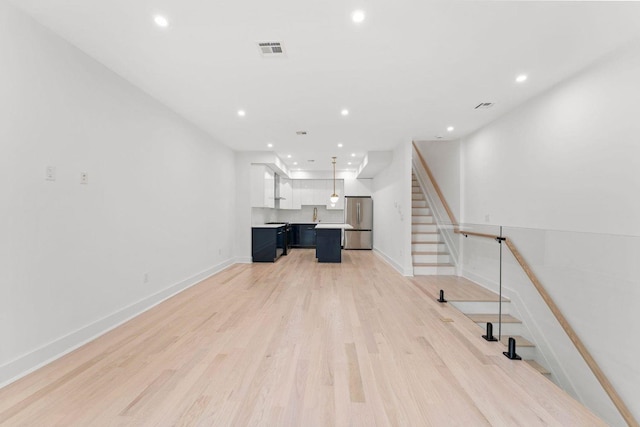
264	215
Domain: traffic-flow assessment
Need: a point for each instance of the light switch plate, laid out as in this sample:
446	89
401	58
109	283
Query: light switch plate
50	173
84	178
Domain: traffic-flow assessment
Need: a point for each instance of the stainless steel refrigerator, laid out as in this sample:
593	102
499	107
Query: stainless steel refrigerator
358	212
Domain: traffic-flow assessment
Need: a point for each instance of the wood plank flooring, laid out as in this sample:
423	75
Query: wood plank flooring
294	343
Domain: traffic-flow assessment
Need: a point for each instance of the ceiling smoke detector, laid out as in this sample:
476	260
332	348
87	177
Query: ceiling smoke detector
271	49
483	106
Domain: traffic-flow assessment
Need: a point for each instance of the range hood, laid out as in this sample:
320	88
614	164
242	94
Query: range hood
277	188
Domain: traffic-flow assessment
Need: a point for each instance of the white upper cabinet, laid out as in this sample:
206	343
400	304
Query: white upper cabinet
296	197
262	187
294	193
307	194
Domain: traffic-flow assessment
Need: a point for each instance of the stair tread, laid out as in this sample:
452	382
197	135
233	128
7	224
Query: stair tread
429	242
428	253
493	318
520	341
538	367
424	232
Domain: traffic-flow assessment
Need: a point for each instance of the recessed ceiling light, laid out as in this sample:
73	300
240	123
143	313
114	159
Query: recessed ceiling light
339	145
288	156
241	113
450	129
357	16
161	21
353	154
344	112
269	145
349	163
295	163
521	78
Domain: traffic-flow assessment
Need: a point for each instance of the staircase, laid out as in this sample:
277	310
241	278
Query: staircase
428	251
511	327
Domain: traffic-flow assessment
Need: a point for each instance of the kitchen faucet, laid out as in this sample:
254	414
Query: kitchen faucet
315	214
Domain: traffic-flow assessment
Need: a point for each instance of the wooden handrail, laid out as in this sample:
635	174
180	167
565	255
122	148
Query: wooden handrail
575	339
452	217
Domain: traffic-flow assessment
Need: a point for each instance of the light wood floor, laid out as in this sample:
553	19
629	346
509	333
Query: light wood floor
293	343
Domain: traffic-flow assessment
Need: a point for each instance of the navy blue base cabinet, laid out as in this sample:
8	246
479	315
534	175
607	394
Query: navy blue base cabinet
303	235
267	244
328	245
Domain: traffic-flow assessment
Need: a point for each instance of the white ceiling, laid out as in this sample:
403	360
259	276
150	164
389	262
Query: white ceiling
411	69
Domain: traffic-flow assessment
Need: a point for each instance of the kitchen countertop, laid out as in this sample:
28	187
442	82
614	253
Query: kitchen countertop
268	225
335	226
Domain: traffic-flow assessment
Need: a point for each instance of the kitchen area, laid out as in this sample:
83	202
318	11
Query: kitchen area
311	213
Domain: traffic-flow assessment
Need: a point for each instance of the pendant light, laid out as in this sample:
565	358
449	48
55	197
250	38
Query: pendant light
334	197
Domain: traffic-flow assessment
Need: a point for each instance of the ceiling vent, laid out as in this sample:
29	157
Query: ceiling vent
301	132
271	49
484	105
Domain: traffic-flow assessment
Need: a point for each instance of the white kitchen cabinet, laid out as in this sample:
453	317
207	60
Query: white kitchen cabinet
307	193
319	192
296	201
286	194
262	187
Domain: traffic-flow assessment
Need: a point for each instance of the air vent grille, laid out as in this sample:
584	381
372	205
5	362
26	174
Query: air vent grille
483	106
271	48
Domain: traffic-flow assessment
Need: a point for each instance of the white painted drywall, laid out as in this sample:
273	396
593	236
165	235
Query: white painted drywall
443	159
566	160
159	200
392	210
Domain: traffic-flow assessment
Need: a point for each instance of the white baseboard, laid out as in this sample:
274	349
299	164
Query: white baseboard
24	365
393	263
243	260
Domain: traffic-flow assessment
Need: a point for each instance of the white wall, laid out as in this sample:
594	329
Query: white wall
568	160
392	210
443	159
160	198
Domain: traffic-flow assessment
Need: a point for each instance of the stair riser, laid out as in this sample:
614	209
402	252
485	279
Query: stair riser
428	247
419	204
424	228
416	190
417	196
527	353
429	238
435	258
420	211
479	307
422	219
433	271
